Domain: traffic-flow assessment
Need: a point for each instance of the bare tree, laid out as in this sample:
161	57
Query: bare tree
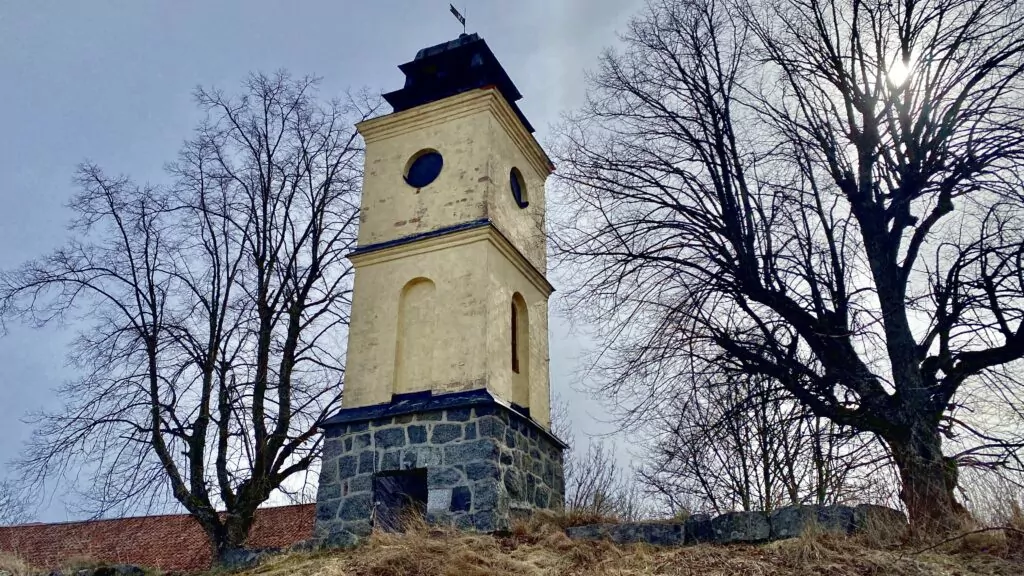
822	193
213	311
14	508
737	442
597	487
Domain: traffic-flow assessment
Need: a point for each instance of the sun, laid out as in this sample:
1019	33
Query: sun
900	71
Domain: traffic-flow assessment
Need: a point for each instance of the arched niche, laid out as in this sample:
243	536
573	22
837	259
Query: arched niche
414	352
519	335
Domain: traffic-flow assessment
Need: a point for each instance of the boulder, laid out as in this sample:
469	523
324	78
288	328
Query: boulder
589	531
308	545
745	527
655	533
835	519
792	521
242	558
697	529
741	527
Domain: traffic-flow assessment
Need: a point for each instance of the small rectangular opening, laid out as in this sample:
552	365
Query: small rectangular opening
399	496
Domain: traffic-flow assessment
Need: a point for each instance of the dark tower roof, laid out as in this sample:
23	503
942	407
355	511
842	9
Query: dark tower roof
451	68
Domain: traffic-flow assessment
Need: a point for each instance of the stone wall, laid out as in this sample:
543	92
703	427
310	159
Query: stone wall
484	464
746	527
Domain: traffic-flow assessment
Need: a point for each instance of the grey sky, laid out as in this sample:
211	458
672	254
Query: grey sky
111	82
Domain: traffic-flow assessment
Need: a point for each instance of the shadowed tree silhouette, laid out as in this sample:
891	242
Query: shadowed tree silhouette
826	194
213	312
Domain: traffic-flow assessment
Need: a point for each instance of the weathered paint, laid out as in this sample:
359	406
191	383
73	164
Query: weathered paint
474	272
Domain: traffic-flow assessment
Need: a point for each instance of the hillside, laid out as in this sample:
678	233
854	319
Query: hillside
546	551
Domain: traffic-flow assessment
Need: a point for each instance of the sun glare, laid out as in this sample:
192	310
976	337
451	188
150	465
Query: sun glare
900	71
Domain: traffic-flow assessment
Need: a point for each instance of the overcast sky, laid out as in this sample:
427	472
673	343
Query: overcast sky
111	82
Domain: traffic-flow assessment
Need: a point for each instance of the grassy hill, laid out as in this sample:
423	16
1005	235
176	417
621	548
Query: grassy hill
545	550
541	548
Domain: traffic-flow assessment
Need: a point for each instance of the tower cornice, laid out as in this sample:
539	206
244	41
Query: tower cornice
482	230
459	106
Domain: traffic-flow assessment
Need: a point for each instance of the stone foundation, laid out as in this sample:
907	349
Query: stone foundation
485	464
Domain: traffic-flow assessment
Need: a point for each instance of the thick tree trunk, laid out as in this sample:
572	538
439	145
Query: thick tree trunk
217	536
928	479
238	526
229	535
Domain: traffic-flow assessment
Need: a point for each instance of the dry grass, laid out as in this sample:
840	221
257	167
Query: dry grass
14	566
577	518
546	520
879	533
81	562
540	548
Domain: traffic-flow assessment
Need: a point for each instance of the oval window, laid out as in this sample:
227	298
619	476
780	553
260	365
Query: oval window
518	186
424	168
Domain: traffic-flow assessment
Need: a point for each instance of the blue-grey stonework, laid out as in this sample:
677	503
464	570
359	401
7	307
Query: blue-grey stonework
745	527
791	521
735	527
485	465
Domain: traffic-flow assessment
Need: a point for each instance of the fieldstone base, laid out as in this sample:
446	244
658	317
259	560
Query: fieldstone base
485	464
745	527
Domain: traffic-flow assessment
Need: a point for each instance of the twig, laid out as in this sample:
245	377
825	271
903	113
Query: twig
965	534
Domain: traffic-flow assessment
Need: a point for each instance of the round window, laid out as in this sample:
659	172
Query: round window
518	186
424	168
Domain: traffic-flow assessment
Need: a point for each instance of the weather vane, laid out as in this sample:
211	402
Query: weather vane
458	16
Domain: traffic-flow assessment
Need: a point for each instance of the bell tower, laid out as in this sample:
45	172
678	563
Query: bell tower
446	406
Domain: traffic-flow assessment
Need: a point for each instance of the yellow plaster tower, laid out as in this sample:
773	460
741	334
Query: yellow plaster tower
446	269
449	311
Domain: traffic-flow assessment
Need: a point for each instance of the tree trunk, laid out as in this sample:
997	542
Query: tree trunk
928	479
228	536
238	526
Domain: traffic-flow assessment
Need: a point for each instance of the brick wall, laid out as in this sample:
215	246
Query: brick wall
171	543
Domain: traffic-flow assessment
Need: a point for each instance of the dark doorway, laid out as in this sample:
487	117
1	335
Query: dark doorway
399	496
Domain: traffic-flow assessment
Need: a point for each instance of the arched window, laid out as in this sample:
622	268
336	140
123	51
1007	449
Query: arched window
518	186
520	351
515	338
414	354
